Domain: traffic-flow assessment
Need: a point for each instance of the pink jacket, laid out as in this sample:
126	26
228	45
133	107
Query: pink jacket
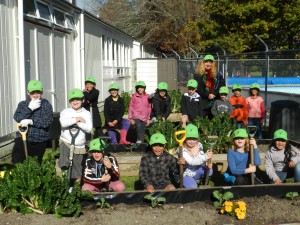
256	107
139	107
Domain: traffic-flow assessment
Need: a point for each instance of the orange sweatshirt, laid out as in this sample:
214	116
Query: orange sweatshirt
240	108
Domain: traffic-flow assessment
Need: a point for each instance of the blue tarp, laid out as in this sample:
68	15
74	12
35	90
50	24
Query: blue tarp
261	80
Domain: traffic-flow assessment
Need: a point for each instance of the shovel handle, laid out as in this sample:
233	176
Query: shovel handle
181	140
252	162
22	132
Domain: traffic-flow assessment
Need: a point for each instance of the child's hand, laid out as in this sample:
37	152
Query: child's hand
210	165
251	169
34	104
80	120
181	161
106	178
211	96
107	163
132	122
111	124
150	188
148	122
292	164
277	181
209	154
252	141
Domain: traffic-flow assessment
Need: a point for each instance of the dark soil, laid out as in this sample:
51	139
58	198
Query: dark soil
263	210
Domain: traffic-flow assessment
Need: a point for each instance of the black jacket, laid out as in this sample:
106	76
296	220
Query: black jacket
114	110
91	99
161	106
191	106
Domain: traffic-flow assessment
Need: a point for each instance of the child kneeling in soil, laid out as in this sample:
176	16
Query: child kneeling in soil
156	165
194	158
71	119
282	160
101	170
238	157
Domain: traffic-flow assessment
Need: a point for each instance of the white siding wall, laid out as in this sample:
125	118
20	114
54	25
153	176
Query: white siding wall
11	79
146	70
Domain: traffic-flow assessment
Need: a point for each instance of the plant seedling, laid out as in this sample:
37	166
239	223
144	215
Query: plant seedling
102	203
155	201
291	195
221	197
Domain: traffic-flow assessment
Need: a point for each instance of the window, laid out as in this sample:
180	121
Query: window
29	8
44	11
59	17
70	22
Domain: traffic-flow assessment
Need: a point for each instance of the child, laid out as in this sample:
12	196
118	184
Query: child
101	170
75	115
91	95
222	106
161	103
191	103
282	160
256	108
240	107
209	82
156	165
139	110
113	113
238	157
194	157
35	113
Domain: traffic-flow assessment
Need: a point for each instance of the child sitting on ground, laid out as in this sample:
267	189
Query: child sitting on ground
79	116
113	112
194	157
101	170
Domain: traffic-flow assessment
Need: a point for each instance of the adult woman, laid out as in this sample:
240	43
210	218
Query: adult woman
282	160
209	83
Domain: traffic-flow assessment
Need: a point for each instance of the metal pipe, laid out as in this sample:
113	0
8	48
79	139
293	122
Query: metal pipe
194	52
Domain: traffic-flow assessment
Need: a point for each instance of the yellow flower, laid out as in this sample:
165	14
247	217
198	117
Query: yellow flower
241	204
241	215
228	208
222	211
237	210
227	203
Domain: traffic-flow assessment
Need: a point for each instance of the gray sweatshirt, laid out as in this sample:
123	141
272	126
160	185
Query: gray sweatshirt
220	107
274	161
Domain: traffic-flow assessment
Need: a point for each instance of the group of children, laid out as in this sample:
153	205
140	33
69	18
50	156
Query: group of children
99	170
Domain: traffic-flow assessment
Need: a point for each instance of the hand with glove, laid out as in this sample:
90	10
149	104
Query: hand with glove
34	104
26	122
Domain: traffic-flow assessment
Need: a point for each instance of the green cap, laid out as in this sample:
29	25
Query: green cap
113	87
157	138
34	85
191	131
162	86
280	134
97	145
236	87
209	57
192	83
255	86
223	90
140	84
240	133
75	93
90	79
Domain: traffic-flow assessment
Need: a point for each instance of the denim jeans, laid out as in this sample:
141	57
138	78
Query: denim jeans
291	172
256	122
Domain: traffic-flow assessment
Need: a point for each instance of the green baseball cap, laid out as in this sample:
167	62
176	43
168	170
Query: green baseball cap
34	85
192	83
255	86
280	134
140	84
157	138
162	86
97	145
209	58
223	90
240	133
113	87
75	93
90	79
191	131
236	87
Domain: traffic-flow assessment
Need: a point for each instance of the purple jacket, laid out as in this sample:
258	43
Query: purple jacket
139	107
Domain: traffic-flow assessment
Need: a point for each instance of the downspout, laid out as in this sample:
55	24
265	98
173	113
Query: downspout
20	50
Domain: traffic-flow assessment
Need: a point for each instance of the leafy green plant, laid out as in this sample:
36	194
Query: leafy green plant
175	96
126	97
291	195
102	203
155	201
31	187
221	197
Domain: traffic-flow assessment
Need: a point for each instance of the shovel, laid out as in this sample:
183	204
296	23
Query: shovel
91	111
180	143
23	132
211	140
107	141
252	131
74	131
